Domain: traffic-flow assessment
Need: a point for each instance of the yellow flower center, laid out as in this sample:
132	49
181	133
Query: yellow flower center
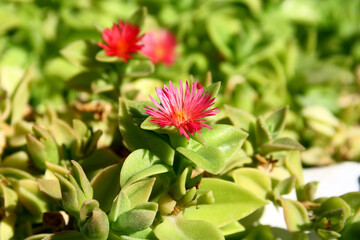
180	117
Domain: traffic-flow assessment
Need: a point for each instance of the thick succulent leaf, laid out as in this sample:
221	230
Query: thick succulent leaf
15	173
102	57
210	159
227	139
139	192
332	220
296	215
82	180
326	234
83	81
254	180
31	197
92	163
276	121
213	89
294	165
9	198
18	160
240	118
50	187
132	135
106	185
70	200
285	186
147	125
178	189
263	135
21	96
307	192
120	205
136	219
139	68
281	144
232	228
138	17
81	53
177	228
7	226
335	203
353	200
232	202
138	165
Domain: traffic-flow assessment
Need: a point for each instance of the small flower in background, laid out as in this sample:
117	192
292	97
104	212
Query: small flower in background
159	46
121	40
185	110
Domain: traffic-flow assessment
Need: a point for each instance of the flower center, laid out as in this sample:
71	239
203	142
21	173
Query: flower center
122	46
180	117
159	52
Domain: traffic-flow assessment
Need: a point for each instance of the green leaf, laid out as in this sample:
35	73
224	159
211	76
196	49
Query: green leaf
210	159
307	192
232	228
213	89
296	216
147	125
254	180
31	197
139	68
80	53
132	135
281	144
263	134
240	118
82	180
102	57
227	139
136	219
232	202
335	203
276	121
9	198
64	235
326	234
139	192
138	17
21	96
15	173
353	200
120	205
177	228
138	165
50	187
285	186
293	164
106	185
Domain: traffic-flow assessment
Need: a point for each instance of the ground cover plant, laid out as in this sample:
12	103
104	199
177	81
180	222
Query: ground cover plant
176	119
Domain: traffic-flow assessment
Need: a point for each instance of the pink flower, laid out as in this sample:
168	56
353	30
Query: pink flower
121	40
185	110
160	46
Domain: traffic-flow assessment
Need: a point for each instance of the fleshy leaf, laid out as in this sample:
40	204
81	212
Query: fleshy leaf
232	202
106	185
81	53
138	17
50	187
240	118
276	121
136	219
140	164
139	68
139	192
232	228
177	228
293	164
210	159
281	144
131	135
254	180
296	216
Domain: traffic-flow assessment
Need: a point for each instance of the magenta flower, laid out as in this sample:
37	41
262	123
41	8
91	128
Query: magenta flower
121	40
159	46
185	110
